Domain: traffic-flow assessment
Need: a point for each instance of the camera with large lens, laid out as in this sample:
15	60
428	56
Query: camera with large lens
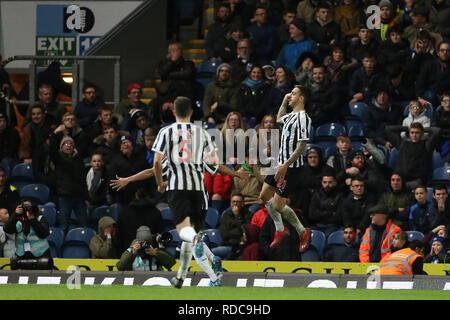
163	238
159	240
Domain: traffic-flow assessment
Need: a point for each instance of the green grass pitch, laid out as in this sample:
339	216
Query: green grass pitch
118	292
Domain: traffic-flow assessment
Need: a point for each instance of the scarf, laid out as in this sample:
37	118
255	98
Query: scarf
254	85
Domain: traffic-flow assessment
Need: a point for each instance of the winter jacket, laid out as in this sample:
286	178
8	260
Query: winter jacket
306	10
394	200
131	217
441	119
323	34
422	218
250	102
123	166
342	253
251	247
323	209
225	94
264	39
390	52
421	118
219	184
354	211
292	50
439	15
69	170
348	18
414	159
433	77
364	83
101	246
250	187
231	225
275	97
375	119
86	113
33	136
178	75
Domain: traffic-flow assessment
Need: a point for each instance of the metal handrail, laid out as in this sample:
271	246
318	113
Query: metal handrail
77	74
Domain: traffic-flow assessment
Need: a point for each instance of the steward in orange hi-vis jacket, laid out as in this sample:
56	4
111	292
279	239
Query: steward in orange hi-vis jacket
376	242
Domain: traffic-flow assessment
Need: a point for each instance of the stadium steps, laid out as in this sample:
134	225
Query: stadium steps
194	49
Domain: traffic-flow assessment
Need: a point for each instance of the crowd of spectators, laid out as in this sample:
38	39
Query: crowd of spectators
397	72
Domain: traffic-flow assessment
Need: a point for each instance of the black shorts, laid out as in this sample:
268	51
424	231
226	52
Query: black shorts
284	188
184	204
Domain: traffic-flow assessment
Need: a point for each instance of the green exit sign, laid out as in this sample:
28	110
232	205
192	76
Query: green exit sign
55	46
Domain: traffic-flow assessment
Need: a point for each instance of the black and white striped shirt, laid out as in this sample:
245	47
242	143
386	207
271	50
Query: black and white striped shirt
210	168
185	147
296	128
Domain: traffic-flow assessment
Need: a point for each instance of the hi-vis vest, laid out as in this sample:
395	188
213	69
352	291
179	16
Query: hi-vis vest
37	245
140	264
388	235
399	263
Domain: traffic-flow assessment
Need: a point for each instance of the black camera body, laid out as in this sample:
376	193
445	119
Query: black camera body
159	240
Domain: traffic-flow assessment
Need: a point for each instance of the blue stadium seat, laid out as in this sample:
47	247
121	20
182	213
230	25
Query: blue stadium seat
336	238
214	237
357	109
356	132
208	67
316	247
76	243
414	235
82	235
48	210
55	240
437	161
114	212
22	171
441	175
75	251
21	175
212	218
222	251
167	217
174	244
329	131
330	150
97	214
38	192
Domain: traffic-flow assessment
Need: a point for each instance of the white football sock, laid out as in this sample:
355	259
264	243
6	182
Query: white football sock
187	248
292	218
275	215
203	263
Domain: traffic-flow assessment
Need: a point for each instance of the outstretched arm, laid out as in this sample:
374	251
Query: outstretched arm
122	182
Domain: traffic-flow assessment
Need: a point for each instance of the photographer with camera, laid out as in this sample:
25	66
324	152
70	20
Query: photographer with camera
31	230
147	252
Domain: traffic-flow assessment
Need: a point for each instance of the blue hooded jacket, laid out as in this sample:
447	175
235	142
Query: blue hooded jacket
292	50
